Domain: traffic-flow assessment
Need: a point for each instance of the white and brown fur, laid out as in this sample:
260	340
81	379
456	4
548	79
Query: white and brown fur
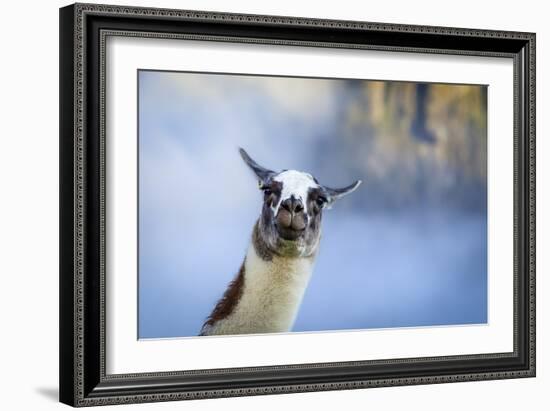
266	294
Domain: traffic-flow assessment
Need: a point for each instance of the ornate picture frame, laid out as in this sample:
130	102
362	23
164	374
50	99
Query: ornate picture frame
84	82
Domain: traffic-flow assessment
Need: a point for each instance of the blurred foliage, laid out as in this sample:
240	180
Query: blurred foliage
414	144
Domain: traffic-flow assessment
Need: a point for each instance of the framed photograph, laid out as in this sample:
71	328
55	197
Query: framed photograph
262	204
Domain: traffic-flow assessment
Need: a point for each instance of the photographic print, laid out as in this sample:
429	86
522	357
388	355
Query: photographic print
273	204
339	204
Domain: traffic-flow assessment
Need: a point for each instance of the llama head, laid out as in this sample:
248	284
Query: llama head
293	202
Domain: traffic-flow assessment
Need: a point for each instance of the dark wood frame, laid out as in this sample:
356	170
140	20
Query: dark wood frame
83	30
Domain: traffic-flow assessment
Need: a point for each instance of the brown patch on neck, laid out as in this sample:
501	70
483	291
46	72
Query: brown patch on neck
227	303
260	246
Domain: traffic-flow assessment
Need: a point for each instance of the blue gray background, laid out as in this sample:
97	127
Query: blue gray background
408	248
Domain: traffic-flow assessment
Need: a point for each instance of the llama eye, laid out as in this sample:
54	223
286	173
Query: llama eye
321	201
267	191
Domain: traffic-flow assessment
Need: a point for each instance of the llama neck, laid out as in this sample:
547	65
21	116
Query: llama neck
271	290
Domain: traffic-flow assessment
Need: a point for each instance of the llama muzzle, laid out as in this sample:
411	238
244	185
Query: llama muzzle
290	225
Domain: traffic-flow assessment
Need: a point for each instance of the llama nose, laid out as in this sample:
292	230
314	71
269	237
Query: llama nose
293	205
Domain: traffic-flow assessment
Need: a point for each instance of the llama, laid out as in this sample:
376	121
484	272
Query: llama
266	294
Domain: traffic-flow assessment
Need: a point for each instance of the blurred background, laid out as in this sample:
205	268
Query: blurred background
408	248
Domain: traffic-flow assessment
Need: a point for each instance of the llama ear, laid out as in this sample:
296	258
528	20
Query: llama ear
334	194
263	173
